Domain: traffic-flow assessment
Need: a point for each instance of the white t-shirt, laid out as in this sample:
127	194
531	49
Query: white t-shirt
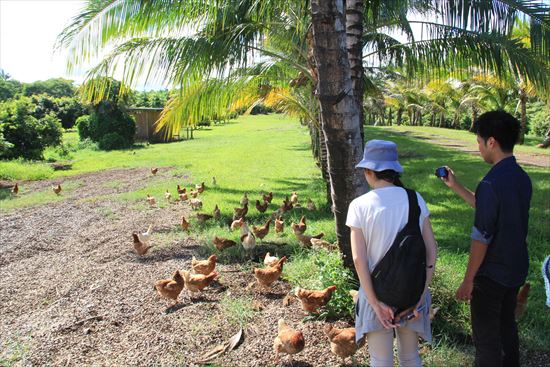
381	214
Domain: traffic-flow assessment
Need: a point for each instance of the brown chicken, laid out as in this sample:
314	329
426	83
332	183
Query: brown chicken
306	240
223	243
183	197
342	341
217	213
279	225
197	282
261	207
203	217
240	212
170	288
184	224
57	189
287	205
288	341
200	188
15	189
204	267
521	303
193	193
313	300
180	190
262	231
151	200
270	274
301	227
140	247
268	198
317	243
154	171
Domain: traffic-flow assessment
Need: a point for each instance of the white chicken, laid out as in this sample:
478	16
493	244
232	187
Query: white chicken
146	236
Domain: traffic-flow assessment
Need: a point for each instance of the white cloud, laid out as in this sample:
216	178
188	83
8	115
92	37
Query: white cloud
28	30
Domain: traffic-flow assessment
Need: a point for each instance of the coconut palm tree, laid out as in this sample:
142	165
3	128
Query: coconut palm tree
225	55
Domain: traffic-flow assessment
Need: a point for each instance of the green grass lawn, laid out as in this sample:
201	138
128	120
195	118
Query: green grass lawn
271	153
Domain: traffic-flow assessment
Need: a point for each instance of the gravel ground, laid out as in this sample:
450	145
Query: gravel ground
75	294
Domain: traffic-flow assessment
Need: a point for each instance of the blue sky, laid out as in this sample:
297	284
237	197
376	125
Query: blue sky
28	30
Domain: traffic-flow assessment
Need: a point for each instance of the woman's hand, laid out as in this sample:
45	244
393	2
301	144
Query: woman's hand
384	314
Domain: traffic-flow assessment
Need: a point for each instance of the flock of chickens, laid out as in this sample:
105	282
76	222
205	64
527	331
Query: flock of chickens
203	272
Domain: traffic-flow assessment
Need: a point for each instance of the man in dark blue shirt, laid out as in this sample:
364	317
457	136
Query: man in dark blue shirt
499	260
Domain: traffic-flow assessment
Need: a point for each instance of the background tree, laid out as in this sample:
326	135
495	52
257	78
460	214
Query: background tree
55	87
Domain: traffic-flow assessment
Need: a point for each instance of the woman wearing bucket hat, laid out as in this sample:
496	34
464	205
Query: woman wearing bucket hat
375	219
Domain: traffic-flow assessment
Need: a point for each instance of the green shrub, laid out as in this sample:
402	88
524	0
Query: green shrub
112	141
83	127
27	134
540	123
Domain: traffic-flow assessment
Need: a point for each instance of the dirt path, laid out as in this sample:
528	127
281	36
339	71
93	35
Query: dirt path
537	160
74	293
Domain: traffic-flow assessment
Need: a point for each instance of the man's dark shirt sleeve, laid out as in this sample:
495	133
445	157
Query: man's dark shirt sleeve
486	213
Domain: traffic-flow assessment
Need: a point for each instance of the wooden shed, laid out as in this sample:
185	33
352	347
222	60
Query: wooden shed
145	120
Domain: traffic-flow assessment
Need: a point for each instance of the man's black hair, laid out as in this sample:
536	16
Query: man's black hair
502	126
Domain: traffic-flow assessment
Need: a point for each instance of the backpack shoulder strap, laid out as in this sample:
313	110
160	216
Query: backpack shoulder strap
414	209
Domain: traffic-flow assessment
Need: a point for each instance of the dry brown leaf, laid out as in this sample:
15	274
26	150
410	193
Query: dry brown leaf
222	348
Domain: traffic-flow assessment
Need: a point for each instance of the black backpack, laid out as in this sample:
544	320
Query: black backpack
399	278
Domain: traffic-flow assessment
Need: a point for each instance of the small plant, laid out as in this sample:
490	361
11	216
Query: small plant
238	311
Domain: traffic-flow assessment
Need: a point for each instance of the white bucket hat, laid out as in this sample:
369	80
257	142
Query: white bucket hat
380	155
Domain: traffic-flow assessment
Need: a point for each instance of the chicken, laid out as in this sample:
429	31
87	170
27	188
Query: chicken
167	195
288	341
318	243
279	225
195	204
287	205
151	200
268	197
261	207
237	224
249	241
244	199
270	260
15	189
197	282
301	227
240	212
193	193
223	243
521	300
306	240
184	224
140	247
217	213
170	288
294	198
57	189
180	190
342	341
204	267
262	231
154	171
183	197
311	205
146	236
214	182
313	300
270	274
200	188
203	217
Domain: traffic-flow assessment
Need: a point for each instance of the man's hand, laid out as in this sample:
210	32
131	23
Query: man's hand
464	292
450	180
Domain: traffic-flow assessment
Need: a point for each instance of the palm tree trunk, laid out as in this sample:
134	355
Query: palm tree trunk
340	114
474	118
523	109
354	43
400	116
